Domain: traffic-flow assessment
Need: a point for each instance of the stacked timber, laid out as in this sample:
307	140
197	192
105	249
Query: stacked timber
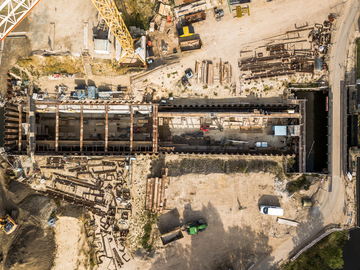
155	193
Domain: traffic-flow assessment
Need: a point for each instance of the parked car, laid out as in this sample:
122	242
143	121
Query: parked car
271	210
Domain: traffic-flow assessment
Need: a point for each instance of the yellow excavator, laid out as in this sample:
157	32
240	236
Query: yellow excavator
7	224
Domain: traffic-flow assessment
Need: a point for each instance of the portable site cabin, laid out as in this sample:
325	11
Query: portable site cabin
186	31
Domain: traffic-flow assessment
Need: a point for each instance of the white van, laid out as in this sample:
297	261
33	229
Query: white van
271	210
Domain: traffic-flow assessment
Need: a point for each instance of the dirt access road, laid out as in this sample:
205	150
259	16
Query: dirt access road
331	210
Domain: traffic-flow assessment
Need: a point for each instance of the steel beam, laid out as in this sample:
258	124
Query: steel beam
155	127
228	114
131	127
20	124
81	128
106	127
57	129
12	13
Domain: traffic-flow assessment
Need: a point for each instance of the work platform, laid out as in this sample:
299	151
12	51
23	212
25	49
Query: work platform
117	128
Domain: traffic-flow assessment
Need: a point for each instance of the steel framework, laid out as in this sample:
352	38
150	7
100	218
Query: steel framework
12	12
114	20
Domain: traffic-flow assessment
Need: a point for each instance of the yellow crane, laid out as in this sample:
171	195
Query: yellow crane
114	20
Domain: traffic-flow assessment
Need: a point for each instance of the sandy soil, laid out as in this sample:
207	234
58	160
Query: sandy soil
67	238
234	237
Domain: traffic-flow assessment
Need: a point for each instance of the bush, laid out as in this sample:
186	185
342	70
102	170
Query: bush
298	184
324	255
147	231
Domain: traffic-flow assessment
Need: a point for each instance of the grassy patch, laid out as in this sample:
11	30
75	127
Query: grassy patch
107	67
17	72
206	166
324	255
298	184
145	240
41	65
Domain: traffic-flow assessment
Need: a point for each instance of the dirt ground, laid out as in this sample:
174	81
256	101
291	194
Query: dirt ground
222	40
31	245
214	188
68	247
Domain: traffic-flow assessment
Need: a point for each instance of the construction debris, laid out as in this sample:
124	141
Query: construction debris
288	222
293	54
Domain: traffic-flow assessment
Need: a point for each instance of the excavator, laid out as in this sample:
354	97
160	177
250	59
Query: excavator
8	224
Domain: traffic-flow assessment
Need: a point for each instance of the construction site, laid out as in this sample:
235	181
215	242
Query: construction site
153	140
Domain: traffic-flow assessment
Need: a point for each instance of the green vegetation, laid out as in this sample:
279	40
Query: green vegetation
298	184
324	255
206	166
137	13
53	215
147	230
358	59
57	202
17	72
268	88
40	65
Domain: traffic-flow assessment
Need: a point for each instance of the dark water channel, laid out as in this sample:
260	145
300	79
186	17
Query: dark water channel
316	130
351	251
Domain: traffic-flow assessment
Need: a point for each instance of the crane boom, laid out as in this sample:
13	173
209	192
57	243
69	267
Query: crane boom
113	19
12	13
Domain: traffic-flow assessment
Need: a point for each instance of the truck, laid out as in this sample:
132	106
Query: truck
196	227
171	236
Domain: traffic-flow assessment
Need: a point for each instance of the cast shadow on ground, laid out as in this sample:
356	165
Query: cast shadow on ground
271	200
220	246
307	231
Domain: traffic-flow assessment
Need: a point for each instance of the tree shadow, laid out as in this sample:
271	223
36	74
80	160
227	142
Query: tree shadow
220	246
307	232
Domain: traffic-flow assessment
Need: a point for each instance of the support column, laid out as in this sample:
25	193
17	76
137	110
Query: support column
57	129
81	128
131	127
155	128
20	124
106	127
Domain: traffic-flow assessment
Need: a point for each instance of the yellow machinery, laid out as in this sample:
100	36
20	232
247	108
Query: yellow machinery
242	11
7	224
114	20
186	31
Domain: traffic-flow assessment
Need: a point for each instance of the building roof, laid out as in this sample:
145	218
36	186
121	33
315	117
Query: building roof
102	46
279	130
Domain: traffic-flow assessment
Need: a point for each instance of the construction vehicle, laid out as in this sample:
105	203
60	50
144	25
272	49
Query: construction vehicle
241	11
218	13
195	227
188	73
185	81
186	31
205	128
171	236
8	224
